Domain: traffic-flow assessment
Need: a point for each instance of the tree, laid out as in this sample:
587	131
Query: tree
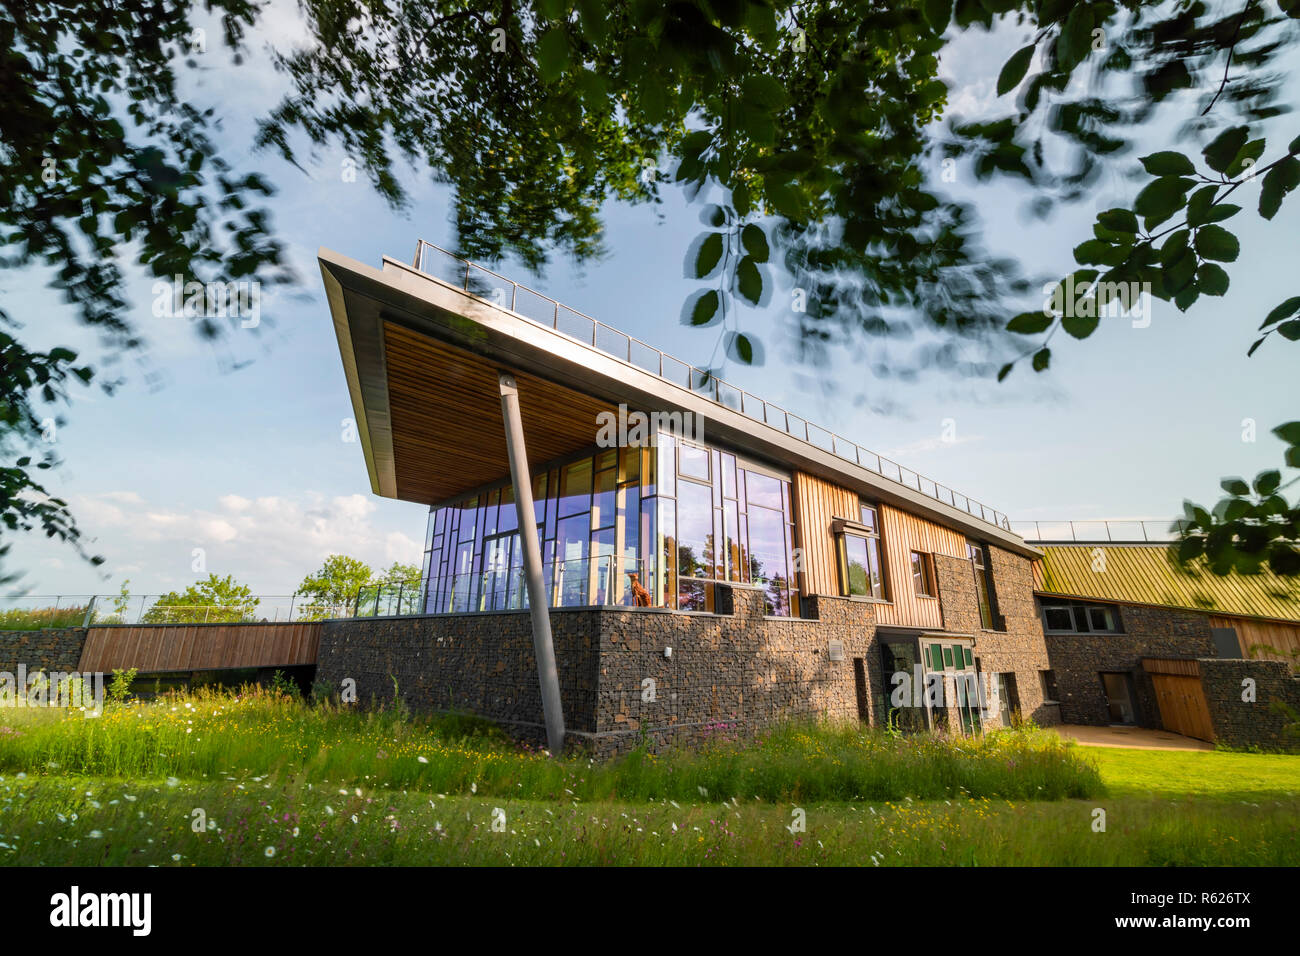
101	161
331	590
399	573
215	600
801	129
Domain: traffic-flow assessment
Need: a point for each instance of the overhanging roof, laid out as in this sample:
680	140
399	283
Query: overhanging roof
421	358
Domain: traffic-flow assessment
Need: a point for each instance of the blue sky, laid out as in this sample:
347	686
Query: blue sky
251	466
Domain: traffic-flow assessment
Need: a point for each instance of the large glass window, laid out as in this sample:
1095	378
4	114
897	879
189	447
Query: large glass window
650	526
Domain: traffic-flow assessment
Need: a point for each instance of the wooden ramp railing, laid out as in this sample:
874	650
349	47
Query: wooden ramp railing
159	648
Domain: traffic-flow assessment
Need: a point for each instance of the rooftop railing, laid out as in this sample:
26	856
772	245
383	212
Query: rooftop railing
1116	531
493	287
601	580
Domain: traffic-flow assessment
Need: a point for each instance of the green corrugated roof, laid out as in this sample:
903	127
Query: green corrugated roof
1146	574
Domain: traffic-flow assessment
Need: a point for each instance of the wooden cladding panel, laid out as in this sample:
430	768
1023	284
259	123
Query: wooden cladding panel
1178	666
1277	640
1183	708
445	407
156	648
818	503
901	534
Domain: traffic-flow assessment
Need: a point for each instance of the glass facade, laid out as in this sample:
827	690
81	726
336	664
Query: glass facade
653	526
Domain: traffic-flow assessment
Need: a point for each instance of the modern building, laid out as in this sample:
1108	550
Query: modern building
698	560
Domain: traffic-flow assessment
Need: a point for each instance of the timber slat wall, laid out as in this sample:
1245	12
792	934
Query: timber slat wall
158	648
818	503
1282	638
903	533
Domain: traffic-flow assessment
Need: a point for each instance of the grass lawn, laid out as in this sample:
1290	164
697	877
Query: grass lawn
246	779
1215	773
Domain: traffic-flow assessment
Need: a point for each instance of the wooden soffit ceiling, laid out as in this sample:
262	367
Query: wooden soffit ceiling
444	405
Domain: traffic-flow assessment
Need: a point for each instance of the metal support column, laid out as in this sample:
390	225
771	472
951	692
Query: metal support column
538	603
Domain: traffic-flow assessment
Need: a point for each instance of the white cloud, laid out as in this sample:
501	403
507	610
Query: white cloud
269	543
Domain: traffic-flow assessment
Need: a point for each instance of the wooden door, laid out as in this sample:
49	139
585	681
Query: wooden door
1183	708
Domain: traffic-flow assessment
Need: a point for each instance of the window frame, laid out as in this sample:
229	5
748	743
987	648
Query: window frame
927	577
1080	610
844	528
981	560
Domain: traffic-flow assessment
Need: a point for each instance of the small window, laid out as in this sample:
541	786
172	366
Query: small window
868	514
1058	618
860	566
923	574
947	657
1101	618
1079	617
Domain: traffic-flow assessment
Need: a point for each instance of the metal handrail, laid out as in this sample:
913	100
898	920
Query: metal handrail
503	589
1112	530
699	381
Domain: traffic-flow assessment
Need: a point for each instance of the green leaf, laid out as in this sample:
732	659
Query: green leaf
937	14
1235	486
1198	207
1290	330
1013	71
1212	279
1224	148
1215	242
764	90
706	307
552	54
1029	323
786	200
1285	310
1168	163
749	281
1095	252
740	199
743	348
1246	157
1161	199
1266	482
1278	181
1042	358
710	252
1005	370
1080	326
1076	37
754	240
1289	433
1118	220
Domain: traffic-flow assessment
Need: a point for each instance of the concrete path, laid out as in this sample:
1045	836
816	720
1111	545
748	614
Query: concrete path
1136	738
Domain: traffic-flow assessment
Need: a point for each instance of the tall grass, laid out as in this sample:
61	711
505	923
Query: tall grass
33	619
211	735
